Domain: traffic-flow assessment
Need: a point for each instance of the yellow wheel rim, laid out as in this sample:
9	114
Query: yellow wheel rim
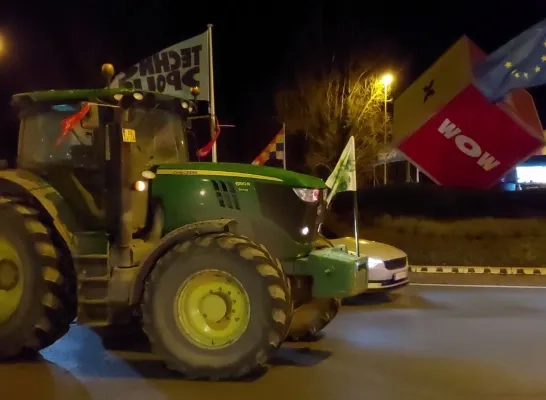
11	280
212	309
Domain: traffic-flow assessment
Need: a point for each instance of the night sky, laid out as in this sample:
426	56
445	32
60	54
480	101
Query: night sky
257	46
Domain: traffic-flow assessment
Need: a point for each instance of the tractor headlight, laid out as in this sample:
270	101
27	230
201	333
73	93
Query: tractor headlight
188	106
308	195
140	186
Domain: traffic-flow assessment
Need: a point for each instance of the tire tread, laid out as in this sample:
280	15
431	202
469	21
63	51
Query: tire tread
310	330
59	298
277	283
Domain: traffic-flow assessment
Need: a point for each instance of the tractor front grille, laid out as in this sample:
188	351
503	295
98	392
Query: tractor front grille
226	194
280	205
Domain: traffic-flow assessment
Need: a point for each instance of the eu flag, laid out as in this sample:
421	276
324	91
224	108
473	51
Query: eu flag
520	63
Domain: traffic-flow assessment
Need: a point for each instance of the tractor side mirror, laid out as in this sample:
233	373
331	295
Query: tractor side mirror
91	120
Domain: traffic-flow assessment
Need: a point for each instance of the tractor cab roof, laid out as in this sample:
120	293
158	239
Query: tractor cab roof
105	95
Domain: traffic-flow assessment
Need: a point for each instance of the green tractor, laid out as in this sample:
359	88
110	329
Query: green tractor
107	221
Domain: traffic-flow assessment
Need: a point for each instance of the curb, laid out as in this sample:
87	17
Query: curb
450	269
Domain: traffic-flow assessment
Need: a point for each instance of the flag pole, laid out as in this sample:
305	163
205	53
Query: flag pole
355	213
211	94
284	156
355	208
343	178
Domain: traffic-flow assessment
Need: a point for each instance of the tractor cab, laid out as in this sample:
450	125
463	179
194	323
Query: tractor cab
79	140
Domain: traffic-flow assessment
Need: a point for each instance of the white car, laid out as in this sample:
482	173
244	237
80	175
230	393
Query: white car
388	266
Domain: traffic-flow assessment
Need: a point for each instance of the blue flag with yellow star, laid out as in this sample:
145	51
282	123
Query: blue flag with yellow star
520	63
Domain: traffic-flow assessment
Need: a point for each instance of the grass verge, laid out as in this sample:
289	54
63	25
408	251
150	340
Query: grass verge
471	242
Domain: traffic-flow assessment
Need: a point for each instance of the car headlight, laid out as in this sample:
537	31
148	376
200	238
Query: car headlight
374	262
307	195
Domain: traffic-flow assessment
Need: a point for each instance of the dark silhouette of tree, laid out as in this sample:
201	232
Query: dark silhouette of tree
334	91
332	106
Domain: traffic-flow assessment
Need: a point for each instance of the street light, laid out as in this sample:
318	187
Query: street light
3	45
386	81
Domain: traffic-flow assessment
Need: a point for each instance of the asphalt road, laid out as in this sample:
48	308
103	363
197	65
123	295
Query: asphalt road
429	343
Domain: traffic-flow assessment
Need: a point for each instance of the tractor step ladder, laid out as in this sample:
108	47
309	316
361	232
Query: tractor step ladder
93	278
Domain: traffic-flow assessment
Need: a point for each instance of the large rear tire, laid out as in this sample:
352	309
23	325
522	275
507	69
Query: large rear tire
216	307
37	291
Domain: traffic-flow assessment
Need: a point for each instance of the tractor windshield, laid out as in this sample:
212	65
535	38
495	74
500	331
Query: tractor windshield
160	136
39	138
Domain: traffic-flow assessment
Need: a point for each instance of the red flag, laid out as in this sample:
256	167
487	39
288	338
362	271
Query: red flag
69	122
205	150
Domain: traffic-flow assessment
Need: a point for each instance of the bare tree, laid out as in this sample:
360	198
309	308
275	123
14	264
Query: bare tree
331	106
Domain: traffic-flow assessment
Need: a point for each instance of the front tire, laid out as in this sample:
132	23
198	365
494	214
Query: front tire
216	307
37	291
311	318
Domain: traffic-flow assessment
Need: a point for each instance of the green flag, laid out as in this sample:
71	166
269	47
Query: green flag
343	178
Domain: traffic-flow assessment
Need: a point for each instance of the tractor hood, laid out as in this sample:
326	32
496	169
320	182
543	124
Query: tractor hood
244	172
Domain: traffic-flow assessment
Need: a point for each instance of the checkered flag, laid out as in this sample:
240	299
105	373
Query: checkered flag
274	150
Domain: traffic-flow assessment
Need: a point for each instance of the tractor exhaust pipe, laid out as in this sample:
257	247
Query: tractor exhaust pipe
121	251
126	216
